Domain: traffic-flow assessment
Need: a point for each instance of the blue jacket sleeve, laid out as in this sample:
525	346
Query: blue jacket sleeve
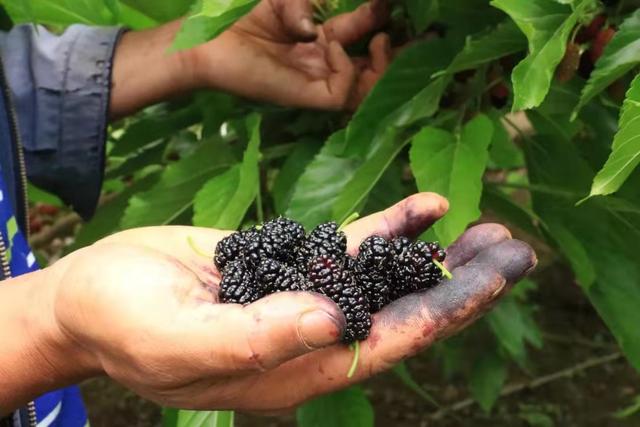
61	86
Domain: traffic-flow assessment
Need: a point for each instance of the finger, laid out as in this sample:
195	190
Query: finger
262	335
473	241
409	217
340	82
297	18
348	28
380	51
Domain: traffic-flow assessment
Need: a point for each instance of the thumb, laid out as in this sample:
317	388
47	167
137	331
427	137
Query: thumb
297	17
286	325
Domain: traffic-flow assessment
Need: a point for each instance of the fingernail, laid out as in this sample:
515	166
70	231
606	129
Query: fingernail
307	26
319	329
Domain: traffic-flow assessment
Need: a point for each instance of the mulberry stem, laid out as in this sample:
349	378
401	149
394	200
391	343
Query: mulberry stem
356	356
446	272
196	248
349	220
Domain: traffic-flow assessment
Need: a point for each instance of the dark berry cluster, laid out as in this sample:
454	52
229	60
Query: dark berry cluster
278	256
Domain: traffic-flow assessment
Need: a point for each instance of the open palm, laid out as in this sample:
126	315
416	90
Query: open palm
157	327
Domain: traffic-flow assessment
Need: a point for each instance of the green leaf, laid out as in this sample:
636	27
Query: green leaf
575	252
293	167
508	210
620	55
173	195
453	165
153	127
504	153
487	377
356	191
161	11
151	154
208	20
345	408
409	73
513	325
422	13
547	25
405	376
184	418
609	237
625	153
501	41
67	12
319	186
225	199
423	105
107	218
630	410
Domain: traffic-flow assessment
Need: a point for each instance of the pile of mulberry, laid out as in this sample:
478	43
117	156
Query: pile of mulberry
279	257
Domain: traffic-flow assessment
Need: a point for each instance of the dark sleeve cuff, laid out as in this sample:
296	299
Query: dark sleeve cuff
61	88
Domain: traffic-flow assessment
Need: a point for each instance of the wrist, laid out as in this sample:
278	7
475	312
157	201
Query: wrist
37	356
145	71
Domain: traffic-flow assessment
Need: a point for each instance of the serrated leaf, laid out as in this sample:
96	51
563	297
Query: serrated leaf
409	73
319	186
547	26
225	199
365	178
625	153
487	377
620	55
501	41
345	408
453	165
173	195
151	154
208	20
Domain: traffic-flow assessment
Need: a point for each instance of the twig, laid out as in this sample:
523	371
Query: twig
62	227
533	384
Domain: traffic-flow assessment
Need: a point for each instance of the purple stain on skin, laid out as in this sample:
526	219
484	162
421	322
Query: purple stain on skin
473	289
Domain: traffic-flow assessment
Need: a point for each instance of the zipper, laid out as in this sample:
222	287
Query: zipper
4	261
13	122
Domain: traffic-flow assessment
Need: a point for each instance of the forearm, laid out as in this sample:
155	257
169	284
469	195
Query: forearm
145	71
35	355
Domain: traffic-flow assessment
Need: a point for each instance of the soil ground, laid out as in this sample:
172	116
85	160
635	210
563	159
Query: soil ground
573	334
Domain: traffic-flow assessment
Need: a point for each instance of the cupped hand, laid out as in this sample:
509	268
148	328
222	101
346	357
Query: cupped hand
142	305
276	53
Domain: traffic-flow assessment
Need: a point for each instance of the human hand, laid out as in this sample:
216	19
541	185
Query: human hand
142	304
276	53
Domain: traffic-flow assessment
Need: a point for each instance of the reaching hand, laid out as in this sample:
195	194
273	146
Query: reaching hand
142	305
276	53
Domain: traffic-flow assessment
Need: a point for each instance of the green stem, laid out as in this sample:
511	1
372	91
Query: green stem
446	272
196	248
259	210
349	220
356	357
